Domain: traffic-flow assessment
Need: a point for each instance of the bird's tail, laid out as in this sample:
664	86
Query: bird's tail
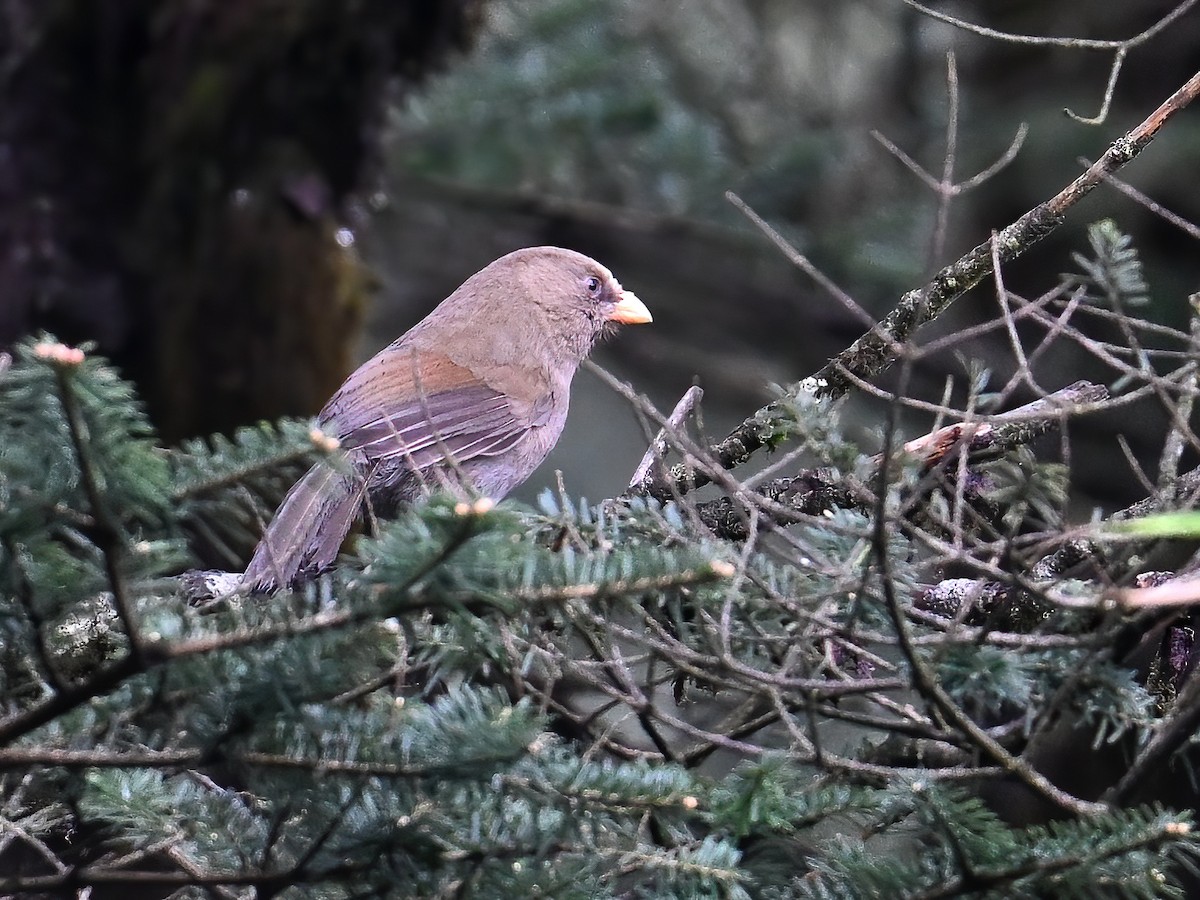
307	530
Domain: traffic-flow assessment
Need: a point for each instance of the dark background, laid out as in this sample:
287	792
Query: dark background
238	202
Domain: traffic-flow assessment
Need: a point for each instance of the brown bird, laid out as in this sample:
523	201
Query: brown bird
470	400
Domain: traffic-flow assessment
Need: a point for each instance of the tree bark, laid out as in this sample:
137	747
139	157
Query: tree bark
177	183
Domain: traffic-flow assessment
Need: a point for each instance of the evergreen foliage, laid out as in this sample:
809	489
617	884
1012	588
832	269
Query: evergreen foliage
892	671
559	100
1113	273
568	701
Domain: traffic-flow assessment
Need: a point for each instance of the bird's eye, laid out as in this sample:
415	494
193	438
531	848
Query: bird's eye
592	283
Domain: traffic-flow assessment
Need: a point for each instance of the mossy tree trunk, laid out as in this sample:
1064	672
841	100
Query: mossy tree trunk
177	183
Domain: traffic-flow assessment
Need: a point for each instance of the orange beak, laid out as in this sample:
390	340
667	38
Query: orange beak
630	310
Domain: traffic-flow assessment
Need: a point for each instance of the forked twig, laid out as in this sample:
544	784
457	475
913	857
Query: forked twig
658	446
876	350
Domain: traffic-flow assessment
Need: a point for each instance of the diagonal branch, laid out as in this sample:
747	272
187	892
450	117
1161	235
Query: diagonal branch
878	348
815	491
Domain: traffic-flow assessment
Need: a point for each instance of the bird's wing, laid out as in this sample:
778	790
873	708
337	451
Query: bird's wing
420	408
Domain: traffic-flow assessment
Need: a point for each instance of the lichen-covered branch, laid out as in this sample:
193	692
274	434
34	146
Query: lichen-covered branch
817	490
879	347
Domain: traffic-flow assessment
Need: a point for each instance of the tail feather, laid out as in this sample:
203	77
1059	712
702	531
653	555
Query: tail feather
307	530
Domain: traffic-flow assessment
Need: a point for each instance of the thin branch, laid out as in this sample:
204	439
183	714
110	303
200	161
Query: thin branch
1044	41
1006	157
945	188
94	876
800	261
1109	89
1189	228
1120	48
925	680
19	757
106	533
658	447
875	351
815	491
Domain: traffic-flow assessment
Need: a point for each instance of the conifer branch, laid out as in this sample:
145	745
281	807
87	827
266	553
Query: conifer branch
815	491
924	679
106	532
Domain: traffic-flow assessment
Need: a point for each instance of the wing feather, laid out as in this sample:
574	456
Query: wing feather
394	416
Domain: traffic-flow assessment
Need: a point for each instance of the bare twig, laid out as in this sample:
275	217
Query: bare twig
924	678
800	261
1044	41
1120	48
818	490
658	446
1189	228
875	351
1109	89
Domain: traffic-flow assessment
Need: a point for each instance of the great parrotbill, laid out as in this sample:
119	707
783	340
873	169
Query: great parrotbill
470	400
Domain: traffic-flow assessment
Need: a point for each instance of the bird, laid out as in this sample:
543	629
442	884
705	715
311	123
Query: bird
470	400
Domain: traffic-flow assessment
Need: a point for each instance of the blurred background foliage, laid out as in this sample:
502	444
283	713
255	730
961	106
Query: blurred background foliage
557	99
220	196
659	109
617	126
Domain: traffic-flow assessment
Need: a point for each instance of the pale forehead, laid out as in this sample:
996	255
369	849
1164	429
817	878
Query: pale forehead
570	257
